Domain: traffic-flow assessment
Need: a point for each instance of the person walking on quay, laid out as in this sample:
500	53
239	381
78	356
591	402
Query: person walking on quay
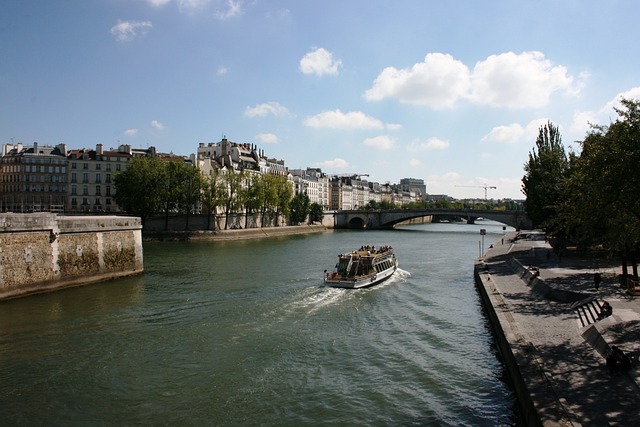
597	278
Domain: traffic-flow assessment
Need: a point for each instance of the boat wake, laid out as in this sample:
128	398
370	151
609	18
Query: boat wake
312	299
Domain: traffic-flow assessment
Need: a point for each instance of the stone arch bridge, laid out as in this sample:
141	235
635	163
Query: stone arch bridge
380	219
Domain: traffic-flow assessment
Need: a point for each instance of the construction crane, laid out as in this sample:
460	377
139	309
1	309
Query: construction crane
486	187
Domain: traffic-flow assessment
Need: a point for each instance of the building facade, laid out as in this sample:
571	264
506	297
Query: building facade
91	175
33	178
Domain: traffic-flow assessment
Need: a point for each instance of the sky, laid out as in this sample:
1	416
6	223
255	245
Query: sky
452	92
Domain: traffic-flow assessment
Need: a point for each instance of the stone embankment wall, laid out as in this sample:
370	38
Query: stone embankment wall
201	222
43	251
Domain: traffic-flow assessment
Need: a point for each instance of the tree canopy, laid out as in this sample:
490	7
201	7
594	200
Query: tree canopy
590	199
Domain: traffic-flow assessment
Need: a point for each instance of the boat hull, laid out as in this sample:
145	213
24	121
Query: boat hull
362	282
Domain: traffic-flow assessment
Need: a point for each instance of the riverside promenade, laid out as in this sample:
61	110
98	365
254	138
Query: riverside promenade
544	312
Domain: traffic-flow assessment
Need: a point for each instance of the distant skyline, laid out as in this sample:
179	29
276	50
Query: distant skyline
452	92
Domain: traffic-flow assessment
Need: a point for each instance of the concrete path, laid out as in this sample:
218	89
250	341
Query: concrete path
536	297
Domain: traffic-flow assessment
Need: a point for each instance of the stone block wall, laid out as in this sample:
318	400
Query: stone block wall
41	252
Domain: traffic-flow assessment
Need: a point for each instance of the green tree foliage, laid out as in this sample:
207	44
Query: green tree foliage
150	185
590	199
299	209
192	185
233	198
175	177
213	192
250	194
284	194
268	197
545	174
606	183
136	187
316	213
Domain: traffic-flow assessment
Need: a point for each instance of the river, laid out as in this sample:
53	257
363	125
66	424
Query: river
243	333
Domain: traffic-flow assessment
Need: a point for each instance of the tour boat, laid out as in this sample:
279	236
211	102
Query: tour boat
367	266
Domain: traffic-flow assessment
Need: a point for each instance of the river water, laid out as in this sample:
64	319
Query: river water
243	333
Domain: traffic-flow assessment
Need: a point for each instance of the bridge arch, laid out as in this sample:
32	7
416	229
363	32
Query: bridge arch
357	223
389	218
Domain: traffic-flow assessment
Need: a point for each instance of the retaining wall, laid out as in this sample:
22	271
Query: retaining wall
43	251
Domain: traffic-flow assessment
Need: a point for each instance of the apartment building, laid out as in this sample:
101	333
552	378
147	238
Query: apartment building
45	178
33	178
312	182
414	185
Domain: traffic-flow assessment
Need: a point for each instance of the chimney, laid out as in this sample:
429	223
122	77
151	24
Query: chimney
99	150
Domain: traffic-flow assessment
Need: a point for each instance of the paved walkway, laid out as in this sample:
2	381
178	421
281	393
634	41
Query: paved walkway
564	374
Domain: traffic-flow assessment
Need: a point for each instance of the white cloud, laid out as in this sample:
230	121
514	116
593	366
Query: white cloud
508	80
381	142
262	110
131	132
515	132
582	120
442	184
157	125
509	133
126	31
633	93
514	81
224	9
433	143
438	82
222	71
338	120
393	126
319	62
415	162
158	2
335	164
605	115
232	8
267	138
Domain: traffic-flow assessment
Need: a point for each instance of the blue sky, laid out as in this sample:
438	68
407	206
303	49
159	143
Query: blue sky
452	92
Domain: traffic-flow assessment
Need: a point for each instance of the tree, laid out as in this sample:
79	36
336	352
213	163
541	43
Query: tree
232	202
250	194
213	191
316	213
190	196
606	183
174	176
544	176
284	194
299	209
268	195
136	187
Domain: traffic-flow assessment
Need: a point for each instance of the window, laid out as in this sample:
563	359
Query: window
74	165
98	166
98	190
85	177
108	166
98	178
85	190
73	190
108	193
107	178
73	177
74	201
85	166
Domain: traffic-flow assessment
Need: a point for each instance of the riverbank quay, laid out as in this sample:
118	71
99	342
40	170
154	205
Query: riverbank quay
42	252
543	310
234	234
